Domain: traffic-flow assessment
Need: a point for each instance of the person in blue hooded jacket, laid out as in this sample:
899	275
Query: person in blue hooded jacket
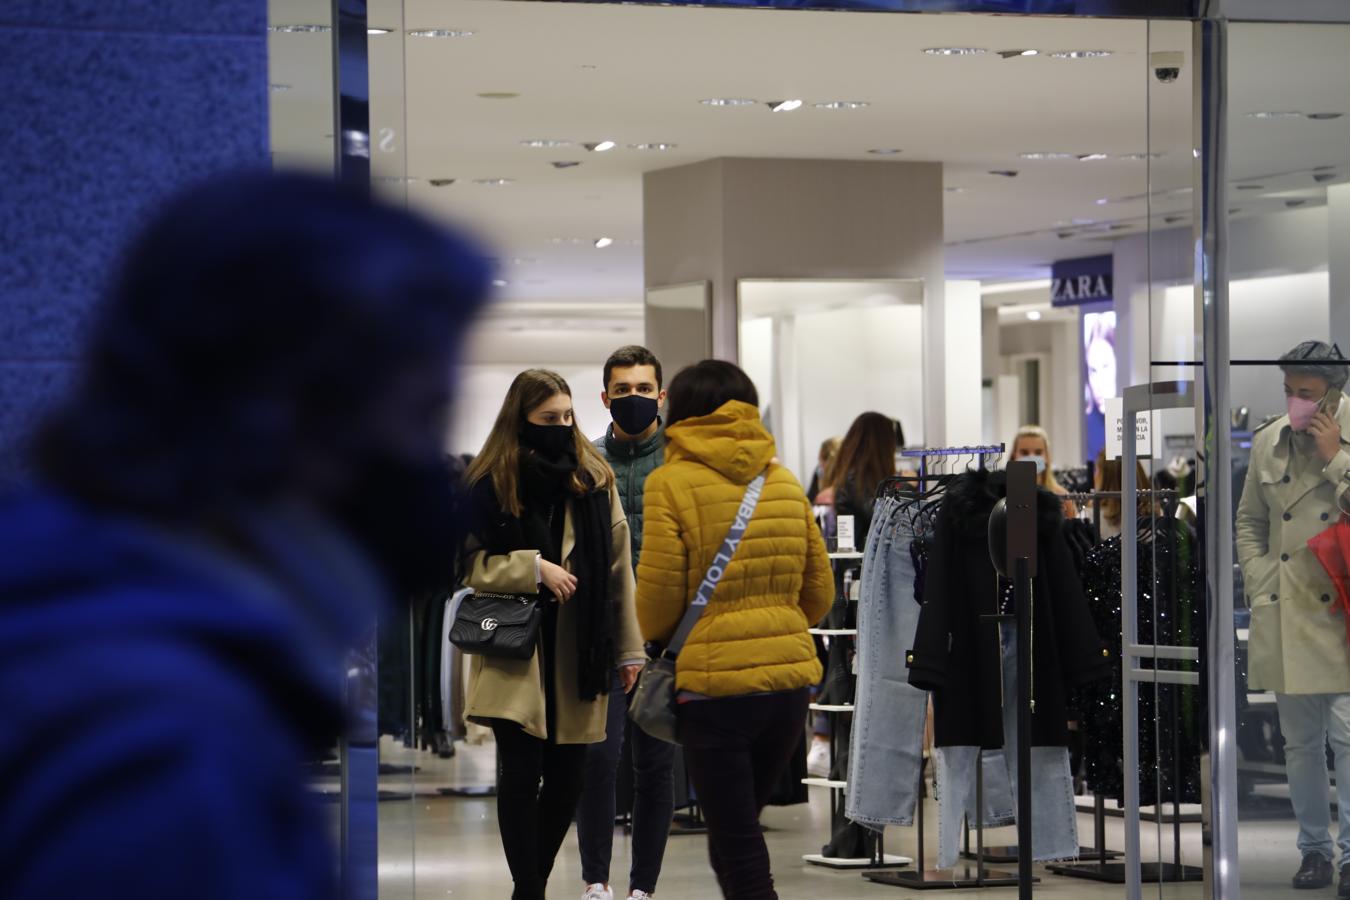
249	466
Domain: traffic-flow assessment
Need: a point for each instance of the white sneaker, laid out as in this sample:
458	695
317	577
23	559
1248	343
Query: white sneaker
640	895
818	760
597	892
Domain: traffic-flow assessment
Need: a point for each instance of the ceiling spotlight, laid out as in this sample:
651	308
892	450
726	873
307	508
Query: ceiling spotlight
1102	201
1034	315
602	243
727	101
440	33
843	104
440	182
1277	114
377	31
885	151
600	147
955	51
1081	54
1323	116
299	29
1004	173
545	144
784	105
1013	54
564	164
499	282
494	182
498	95
1324	177
1092	157
1040	155
656	146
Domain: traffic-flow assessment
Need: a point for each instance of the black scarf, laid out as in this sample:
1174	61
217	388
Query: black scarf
546	486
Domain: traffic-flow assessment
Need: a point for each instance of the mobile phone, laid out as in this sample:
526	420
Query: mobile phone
1332	402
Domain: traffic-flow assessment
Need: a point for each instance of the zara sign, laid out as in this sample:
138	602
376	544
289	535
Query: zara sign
1077	281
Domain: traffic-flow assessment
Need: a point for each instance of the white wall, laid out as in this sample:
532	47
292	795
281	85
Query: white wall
482	388
1268	317
1061	342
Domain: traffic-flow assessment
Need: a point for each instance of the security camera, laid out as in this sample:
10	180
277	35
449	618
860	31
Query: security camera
1167	65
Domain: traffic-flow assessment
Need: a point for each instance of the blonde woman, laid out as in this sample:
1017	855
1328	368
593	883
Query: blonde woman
1032	443
544	517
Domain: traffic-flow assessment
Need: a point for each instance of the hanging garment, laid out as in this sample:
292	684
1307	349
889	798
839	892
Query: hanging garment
886	747
1054	820
956	651
1168	577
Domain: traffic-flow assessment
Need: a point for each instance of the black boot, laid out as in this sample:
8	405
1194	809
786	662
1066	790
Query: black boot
1343	892
1315	873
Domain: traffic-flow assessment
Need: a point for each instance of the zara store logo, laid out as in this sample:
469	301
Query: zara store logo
1080	288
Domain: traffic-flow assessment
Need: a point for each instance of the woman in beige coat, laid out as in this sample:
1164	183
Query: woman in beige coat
543	516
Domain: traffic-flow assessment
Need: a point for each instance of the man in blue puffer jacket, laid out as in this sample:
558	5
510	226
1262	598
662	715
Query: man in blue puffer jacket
634	445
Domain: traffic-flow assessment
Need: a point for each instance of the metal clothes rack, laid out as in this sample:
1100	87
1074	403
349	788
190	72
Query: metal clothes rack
968	875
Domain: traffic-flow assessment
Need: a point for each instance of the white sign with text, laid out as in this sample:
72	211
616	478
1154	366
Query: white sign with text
1115	431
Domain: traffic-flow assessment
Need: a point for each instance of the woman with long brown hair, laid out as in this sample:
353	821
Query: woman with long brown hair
543	516
865	459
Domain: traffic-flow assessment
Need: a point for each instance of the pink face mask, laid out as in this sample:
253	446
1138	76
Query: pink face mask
1301	412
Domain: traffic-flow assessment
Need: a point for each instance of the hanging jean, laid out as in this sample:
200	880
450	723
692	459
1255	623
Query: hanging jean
1054	820
886	750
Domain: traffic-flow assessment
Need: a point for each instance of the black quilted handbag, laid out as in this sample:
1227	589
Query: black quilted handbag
500	625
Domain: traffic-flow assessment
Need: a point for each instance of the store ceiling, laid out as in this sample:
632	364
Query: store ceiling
637	74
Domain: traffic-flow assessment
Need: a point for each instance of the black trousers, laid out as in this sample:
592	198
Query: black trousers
538	783
736	749
653	799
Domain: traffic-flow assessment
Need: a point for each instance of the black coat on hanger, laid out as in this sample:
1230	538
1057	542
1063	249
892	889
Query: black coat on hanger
957	652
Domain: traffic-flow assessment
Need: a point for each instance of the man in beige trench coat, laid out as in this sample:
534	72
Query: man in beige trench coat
1297	484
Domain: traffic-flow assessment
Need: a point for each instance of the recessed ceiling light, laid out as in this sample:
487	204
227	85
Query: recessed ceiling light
522	261
602	243
1322	116
440	182
1102	201
300	29
1014	54
1092	157
494	182
1292	204
564	240
545	143
1042	155
564	164
955	51
498	95
1324	177
656	146
600	146
843	104
377	31
727	101
499	282
440	33
784	105
885	151
1276	114
1034	315
1081	54
1251	187
1004	173
278	88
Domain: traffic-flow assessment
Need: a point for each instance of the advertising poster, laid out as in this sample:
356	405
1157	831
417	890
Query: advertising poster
1099	372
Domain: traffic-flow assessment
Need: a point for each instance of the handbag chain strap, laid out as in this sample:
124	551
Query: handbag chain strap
718	567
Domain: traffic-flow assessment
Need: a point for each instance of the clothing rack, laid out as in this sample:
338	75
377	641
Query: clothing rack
968	876
1102	869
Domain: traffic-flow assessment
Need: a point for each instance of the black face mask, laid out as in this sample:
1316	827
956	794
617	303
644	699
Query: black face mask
549	441
403	515
634	413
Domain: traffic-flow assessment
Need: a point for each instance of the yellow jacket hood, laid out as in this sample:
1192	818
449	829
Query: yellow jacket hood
732	441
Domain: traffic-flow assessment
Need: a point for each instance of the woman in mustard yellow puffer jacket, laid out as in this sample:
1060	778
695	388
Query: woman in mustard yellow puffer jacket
743	675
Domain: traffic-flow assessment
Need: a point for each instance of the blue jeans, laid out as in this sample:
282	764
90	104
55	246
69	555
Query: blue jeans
1054	819
886	750
1308	722
653	800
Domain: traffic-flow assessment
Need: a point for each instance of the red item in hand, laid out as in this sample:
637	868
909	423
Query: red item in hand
1332	549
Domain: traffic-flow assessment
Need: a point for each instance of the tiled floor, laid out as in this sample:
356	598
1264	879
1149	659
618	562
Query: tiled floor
439	847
